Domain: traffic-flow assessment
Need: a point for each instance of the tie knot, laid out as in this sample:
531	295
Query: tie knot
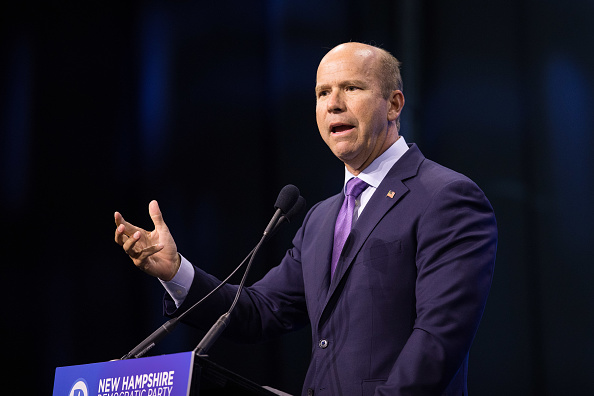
355	187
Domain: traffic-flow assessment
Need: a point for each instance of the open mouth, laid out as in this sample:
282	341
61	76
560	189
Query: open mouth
338	128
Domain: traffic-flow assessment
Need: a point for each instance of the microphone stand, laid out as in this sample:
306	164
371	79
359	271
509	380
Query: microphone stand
149	342
215	331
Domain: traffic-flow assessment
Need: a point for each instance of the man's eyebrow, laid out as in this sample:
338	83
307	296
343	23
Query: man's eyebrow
344	83
321	86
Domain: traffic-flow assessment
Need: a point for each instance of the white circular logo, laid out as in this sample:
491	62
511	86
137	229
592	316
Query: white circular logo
79	388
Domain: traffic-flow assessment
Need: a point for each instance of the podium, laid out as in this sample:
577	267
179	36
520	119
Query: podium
180	374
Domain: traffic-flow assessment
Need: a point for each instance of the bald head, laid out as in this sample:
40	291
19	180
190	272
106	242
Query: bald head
383	64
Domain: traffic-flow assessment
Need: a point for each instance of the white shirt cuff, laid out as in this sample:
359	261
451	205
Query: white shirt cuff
179	286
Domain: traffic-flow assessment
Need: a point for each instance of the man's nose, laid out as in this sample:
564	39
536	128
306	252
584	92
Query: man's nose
336	103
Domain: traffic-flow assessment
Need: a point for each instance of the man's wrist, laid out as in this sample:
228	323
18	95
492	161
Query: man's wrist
176	266
180	284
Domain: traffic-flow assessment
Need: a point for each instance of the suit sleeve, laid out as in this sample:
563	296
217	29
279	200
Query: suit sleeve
456	244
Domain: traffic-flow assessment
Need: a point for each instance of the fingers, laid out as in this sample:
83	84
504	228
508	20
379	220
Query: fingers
154	212
141	259
120	234
119	219
156	215
136	250
123	229
130	247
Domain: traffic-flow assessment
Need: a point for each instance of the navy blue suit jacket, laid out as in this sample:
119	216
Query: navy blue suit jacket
400	314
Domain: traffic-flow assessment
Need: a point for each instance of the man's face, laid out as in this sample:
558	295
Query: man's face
352	114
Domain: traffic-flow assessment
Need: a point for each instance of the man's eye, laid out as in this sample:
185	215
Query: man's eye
352	88
322	93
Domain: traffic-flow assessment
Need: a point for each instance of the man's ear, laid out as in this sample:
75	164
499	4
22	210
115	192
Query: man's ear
395	103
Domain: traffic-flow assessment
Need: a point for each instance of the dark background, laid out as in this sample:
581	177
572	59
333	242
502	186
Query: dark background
208	107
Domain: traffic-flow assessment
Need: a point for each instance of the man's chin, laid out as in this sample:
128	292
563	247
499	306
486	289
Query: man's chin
343	153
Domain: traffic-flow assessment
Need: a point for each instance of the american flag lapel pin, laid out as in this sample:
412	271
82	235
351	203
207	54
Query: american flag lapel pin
390	194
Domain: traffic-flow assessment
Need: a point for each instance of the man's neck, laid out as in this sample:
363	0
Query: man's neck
388	142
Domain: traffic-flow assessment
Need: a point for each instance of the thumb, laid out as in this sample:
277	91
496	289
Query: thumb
156	214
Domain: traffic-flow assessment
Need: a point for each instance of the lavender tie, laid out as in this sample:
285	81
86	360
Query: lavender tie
344	221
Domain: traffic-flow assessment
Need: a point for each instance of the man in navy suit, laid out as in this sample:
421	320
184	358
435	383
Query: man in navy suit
397	312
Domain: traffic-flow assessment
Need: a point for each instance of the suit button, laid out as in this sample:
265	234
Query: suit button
323	344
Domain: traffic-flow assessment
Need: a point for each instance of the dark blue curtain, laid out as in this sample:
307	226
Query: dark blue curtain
208	107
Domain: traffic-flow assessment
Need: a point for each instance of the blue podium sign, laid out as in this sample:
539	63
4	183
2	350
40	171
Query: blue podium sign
166	375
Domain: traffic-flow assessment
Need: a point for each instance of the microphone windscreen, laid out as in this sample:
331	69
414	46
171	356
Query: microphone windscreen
296	210
287	198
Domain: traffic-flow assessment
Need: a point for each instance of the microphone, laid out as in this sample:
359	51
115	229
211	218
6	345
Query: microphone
294	212
287	198
289	204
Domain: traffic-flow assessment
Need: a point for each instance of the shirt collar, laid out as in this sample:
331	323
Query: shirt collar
378	169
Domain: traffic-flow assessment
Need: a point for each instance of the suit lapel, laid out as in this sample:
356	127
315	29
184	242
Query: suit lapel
389	193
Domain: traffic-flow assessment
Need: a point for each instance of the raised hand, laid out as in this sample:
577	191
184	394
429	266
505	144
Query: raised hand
153	252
